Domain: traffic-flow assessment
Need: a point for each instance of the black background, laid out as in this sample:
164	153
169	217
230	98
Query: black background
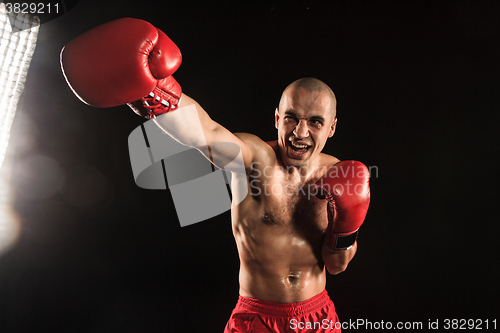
417	88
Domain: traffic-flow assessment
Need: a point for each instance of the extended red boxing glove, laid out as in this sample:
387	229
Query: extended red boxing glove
126	61
346	187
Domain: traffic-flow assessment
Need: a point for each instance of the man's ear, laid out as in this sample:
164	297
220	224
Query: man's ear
332	128
276	118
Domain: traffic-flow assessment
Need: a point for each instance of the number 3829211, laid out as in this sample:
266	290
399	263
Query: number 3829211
32	8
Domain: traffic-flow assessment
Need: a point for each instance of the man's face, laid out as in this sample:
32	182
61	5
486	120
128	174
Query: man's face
305	121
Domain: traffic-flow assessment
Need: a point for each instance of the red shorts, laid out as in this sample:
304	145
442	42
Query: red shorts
316	314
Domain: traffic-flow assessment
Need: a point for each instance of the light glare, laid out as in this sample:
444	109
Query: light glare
16	50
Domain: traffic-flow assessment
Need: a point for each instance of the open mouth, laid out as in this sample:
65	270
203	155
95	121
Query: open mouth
298	149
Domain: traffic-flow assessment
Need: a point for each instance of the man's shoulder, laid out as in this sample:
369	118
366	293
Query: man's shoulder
247	137
253	141
328	160
260	148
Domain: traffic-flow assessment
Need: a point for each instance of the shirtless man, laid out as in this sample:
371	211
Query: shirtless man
287	234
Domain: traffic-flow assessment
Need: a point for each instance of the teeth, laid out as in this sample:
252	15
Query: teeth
299	146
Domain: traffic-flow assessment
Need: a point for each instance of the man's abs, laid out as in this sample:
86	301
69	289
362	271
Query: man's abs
280	284
280	260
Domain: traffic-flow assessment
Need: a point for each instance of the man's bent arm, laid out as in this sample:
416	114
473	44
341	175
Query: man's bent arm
336	262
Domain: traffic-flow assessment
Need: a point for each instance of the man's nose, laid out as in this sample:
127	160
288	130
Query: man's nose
301	130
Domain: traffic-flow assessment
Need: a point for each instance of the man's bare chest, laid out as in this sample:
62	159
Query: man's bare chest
289	202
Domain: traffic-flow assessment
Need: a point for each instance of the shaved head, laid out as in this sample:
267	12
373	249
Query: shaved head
305	119
311	85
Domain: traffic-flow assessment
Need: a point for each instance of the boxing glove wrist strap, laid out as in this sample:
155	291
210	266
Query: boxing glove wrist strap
337	242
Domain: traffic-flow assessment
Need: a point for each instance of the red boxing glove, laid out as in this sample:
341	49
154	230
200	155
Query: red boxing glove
126	61
346	187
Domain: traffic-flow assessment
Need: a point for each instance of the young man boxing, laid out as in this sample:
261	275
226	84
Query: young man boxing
303	208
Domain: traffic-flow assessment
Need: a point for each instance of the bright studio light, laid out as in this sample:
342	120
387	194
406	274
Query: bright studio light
16	51
18	34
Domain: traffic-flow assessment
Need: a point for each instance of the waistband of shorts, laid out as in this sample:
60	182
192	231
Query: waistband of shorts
285	309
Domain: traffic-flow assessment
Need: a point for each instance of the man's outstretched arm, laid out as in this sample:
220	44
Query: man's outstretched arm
191	125
136	69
